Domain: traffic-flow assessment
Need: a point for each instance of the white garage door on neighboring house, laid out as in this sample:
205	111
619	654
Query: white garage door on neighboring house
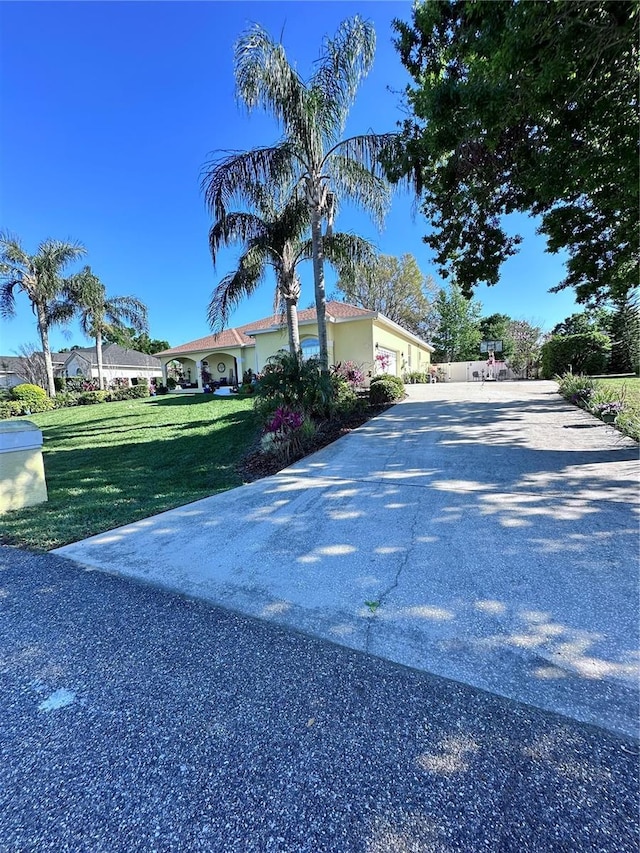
388	357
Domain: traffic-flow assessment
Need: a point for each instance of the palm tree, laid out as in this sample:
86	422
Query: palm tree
274	236
99	315
312	155
39	277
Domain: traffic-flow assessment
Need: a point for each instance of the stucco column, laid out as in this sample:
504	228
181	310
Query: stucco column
199	375
239	369
164	373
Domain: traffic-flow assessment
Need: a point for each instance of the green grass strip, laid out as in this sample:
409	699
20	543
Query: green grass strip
113	463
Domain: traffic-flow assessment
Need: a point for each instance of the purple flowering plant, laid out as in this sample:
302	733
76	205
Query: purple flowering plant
349	371
284	421
613	407
283	433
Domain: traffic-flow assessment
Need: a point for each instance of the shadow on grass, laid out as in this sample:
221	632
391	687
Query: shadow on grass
92	489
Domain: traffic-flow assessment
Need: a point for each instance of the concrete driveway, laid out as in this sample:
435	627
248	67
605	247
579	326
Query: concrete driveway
487	533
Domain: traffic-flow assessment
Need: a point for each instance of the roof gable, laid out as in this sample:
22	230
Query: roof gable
113	355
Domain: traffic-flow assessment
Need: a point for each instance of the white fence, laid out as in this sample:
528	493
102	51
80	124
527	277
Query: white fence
474	371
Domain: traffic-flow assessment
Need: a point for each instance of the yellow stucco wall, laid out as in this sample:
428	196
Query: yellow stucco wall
269	344
390	339
22	481
354	342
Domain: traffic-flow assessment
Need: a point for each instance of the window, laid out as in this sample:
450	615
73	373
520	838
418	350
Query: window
310	348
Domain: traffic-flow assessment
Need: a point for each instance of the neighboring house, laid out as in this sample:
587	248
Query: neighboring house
117	363
354	334
11	367
18	369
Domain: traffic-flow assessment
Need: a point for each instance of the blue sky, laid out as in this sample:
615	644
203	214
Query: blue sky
110	110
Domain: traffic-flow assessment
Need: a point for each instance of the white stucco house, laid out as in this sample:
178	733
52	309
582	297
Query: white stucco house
117	362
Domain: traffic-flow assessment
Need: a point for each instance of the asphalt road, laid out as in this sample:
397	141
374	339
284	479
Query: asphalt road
135	719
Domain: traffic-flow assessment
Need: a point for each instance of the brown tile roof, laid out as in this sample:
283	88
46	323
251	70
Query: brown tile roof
239	337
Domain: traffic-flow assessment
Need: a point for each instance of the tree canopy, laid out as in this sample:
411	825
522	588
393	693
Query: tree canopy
525	341
525	107
582	322
496	327
138	341
457	335
395	287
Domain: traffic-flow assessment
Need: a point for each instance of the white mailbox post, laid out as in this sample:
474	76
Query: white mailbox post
22	480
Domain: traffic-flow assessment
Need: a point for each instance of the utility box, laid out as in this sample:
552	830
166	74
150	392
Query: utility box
22	481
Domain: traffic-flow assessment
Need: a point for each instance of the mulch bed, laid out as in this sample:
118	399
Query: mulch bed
256	464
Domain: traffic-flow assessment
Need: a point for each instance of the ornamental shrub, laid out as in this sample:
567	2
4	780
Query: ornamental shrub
349	371
387	377
136	392
32	398
290	381
415	378
586	353
139	391
10	408
283	433
65	399
345	400
385	390
89	398
81	383
579	390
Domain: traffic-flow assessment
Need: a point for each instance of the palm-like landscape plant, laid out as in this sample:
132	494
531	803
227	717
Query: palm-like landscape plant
272	236
40	277
100	315
312	157
275	235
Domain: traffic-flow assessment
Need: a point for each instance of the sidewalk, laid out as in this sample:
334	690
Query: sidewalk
486	533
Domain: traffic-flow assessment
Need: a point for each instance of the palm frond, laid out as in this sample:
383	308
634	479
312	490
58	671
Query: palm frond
59	311
235	227
346	59
56	254
355	181
346	252
119	310
368	149
236	286
231	178
12	254
7	297
265	78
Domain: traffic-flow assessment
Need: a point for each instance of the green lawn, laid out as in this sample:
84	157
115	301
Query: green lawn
629	387
113	463
629	391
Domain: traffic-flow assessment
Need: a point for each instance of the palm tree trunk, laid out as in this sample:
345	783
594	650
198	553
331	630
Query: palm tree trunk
43	329
99	360
318	276
292	323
